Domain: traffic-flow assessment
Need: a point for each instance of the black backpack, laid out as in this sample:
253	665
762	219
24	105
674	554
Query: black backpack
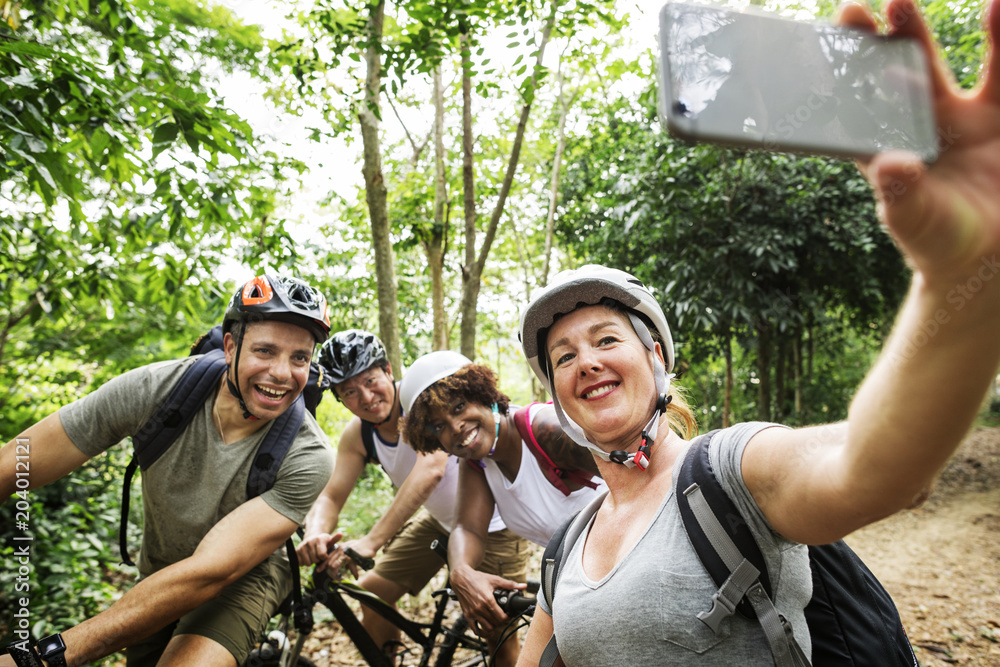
852	619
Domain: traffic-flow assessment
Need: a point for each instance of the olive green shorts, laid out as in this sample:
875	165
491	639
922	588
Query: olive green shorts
408	560
234	619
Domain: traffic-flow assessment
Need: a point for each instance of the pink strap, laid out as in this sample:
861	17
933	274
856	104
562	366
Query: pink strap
553	473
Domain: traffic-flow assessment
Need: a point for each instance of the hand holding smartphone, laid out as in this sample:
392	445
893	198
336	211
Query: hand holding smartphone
759	81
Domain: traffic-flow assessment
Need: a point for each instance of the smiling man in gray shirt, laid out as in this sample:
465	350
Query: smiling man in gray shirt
210	576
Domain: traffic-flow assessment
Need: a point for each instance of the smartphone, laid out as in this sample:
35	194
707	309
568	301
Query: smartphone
755	80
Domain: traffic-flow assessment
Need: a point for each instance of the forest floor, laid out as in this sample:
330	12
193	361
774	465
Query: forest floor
941	563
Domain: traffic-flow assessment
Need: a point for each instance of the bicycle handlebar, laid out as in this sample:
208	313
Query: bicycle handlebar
364	562
514	603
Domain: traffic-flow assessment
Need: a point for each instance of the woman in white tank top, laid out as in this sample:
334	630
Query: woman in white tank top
518	460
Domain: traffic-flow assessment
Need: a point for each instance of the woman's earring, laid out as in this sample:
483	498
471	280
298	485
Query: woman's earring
496	433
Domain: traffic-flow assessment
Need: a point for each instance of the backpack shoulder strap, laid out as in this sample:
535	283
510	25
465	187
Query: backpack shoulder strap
316	385
171	418
730	554
555	474
183	403
556	551
368	438
271	452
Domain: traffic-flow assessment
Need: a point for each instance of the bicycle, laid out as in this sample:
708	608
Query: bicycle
437	640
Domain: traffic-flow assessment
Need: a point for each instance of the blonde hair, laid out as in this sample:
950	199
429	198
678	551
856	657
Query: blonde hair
680	416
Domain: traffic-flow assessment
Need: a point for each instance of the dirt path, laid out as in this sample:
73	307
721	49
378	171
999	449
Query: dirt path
941	563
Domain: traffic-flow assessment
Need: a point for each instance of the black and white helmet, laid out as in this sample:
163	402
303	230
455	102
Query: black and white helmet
588	286
284	299
351	352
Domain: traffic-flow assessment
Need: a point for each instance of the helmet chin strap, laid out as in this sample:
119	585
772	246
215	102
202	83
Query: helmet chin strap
234	387
640	459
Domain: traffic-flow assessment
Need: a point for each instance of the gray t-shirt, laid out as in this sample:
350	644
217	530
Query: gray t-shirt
199	479
644	612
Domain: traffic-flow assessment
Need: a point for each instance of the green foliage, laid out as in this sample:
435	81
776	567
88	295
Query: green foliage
123	179
74	570
958	28
837	365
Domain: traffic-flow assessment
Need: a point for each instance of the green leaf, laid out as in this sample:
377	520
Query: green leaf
99	141
163	137
31	49
25	78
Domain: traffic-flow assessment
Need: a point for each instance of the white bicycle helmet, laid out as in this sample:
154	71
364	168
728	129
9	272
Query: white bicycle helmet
427	370
587	286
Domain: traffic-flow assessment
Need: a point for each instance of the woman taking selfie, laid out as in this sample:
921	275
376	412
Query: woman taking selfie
518	460
631	588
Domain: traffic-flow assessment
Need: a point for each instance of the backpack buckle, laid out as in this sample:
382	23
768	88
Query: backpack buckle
722	608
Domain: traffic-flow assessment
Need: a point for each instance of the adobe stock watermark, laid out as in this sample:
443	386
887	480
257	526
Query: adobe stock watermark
21	556
786	126
957	297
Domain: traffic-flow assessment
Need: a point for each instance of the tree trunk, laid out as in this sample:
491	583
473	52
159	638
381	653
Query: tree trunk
811	354
436	243
375	193
797	370
550	222
473	270
780	371
764	372
470	282
727	402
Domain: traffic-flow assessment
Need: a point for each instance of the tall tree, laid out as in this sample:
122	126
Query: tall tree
375	190
436	243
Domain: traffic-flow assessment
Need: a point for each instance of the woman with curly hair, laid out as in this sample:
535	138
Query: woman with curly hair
455	405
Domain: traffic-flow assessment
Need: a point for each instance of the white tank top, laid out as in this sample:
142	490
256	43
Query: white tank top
530	505
398	459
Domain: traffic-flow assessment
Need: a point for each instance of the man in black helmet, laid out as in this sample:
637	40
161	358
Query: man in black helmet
211	571
356	364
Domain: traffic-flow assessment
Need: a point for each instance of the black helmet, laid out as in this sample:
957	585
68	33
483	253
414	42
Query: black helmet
348	353
284	299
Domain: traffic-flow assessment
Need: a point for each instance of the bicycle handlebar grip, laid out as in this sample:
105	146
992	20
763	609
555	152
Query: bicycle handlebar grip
364	562
513	603
440	547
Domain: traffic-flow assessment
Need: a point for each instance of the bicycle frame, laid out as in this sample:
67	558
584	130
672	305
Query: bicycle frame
426	636
330	593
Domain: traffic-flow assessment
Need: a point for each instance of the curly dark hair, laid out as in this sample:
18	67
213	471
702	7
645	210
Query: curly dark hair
473	383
